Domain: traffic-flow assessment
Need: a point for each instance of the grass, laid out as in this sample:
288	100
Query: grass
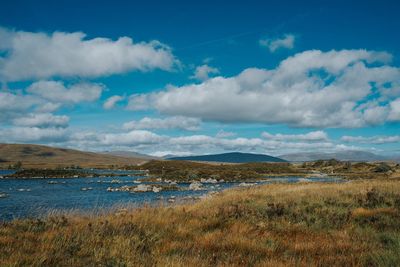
353	170
186	171
189	171
307	224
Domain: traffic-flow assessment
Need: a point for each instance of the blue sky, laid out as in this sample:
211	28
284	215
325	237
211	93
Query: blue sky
273	77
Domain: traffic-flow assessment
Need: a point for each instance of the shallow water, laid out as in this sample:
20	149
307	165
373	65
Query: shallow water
36	197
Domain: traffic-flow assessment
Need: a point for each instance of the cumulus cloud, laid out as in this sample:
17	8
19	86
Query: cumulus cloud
56	91
34	134
310	89
371	139
38	55
42	120
138	102
204	72
223	134
136	137
311	136
178	122
394	114
287	41
13	105
15	102
112	101
48	107
209	143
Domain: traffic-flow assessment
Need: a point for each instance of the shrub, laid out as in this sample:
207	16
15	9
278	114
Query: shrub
372	198
382	167
275	210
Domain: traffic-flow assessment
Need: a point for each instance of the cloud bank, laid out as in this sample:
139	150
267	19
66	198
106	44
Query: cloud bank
346	89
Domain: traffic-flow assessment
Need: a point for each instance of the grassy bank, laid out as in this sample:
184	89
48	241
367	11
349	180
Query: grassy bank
351	224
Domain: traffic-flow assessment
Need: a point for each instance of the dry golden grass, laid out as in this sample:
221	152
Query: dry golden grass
310	224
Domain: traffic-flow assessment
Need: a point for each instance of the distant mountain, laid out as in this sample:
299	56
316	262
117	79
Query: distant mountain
233	157
170	156
37	156
349	155
131	154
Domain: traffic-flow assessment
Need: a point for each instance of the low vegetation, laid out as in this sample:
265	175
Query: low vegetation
308	224
189	171
352	170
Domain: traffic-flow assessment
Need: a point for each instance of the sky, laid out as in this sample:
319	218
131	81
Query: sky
184	78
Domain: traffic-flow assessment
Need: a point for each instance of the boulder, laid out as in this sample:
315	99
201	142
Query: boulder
196	186
156	189
142	188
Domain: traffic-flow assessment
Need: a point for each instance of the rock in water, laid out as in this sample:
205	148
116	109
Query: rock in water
196	186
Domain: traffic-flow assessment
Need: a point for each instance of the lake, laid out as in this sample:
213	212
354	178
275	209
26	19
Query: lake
23	198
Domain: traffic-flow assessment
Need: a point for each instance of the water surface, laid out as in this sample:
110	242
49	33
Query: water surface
36	197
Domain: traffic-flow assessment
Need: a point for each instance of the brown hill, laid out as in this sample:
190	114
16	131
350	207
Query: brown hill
37	156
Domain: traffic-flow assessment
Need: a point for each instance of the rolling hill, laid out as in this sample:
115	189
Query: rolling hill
38	156
233	157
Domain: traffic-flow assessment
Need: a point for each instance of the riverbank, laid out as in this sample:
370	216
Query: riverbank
354	223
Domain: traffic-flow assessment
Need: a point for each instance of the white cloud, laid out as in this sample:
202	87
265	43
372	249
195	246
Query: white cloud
34	134
31	55
311	136
287	41
385	139
206	144
223	134
138	102
112	101
131	138
15	102
48	107
55	91
42	120
309	89
13	105
204	72
394	114
183	123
